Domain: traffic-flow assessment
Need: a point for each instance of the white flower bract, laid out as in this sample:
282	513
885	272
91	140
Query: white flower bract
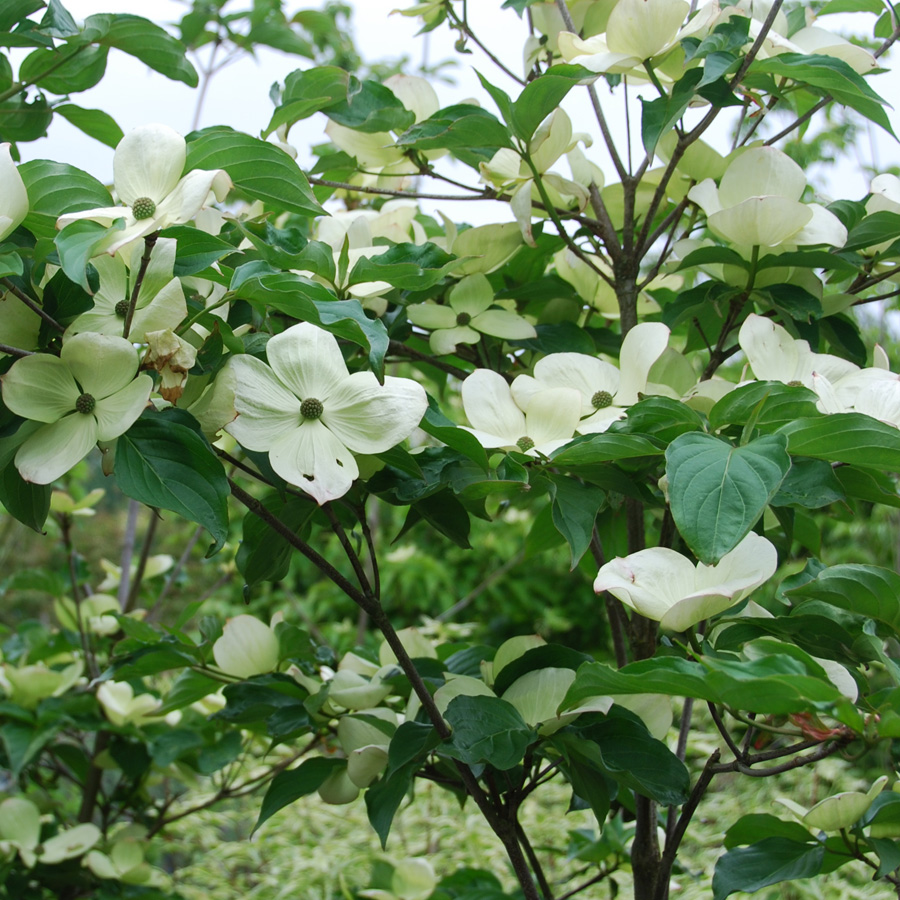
310	414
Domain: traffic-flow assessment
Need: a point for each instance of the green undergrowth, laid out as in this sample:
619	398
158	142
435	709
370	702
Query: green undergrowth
318	852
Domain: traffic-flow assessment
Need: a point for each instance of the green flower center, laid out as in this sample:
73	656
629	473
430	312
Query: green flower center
524	443
463	319
311	408
85	404
121	309
143	208
601	400
795	383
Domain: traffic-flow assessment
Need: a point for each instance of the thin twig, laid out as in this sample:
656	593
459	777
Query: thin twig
33	305
149	244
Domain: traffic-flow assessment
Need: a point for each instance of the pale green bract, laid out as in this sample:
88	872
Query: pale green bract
48	389
310	414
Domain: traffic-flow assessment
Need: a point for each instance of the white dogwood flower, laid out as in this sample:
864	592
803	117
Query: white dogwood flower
247	647
310	414
637	30
147	168
662	585
468	315
546	422
758	203
88	393
775	356
838	811
606	391
160	302
13	196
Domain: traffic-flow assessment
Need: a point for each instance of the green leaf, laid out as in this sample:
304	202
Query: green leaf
827	75
23	743
370	107
93	122
809	484
286	787
439	426
543	95
768	404
752	828
384	797
307	92
76	245
660	418
260	169
637	760
463	127
868	484
264	555
581	765
27	502
769	861
189	687
867	591
196	250
545	656
574	509
163	462
407	266
660	115
13	11
845	437
874	229
304	299
605	447
56	188
717	492
141	38
775	684
72	67
487	730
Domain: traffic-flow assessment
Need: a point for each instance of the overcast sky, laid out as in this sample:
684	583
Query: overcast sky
238	96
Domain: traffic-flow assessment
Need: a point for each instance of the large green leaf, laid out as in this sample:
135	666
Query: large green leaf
660	115
195	249
845	437
286	787
258	168
769	861
774	684
768	404
384	797
874	229
163	462
306	91
574	508
56	188
27	502
264	555
304	299
141	38
71	67
94	123
407	266
827	75
370	107
460	127
631	755
487	730
543	95
606	447
867	591
717	492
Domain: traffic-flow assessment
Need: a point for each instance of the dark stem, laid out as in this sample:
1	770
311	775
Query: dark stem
92	781
149	244
128	542
142	560
33	305
618	621
396	348
350	552
673	841
536	867
15	351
